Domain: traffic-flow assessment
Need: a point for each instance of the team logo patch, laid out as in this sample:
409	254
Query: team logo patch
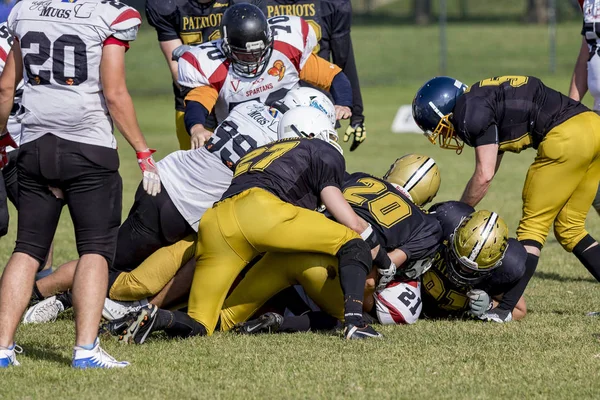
278	69
69	1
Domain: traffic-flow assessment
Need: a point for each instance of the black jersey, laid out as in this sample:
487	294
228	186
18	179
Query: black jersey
515	112
441	296
398	222
295	170
190	21
331	20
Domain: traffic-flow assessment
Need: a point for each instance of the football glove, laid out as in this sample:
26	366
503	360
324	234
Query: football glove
386	276
479	302
151	181
497	315
359	133
5	141
414	269
178	52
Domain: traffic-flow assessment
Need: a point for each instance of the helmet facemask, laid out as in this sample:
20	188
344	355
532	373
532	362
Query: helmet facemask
462	271
251	61
446	135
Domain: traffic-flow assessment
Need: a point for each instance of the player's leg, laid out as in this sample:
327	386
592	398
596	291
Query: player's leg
182	134
36	226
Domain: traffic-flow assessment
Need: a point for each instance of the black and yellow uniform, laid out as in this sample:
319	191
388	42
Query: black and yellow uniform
443	297
517	112
331	20
399	225
268	208
193	22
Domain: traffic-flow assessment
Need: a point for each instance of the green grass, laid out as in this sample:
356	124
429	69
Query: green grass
553	353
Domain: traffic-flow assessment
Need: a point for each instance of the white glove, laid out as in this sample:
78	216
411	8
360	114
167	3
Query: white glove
416	269
178	51
479	302
151	180
386	276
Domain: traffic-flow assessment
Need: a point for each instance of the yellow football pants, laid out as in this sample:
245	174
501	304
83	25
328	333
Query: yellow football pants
562	182
317	273
240	228
154	273
182	134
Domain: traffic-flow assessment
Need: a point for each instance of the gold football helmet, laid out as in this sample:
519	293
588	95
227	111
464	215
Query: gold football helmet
477	247
417	175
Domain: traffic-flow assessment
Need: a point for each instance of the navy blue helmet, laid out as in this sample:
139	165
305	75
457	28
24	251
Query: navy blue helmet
433	105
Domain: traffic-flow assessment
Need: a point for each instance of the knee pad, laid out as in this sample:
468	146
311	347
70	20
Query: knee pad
355	252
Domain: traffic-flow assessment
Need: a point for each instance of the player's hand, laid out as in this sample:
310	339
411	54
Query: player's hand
151	181
199	136
359	134
342	112
5	141
178	52
386	276
479	302
497	315
415	269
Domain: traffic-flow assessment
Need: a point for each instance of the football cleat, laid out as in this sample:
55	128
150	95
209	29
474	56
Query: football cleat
138	328
8	356
497	315
95	358
267	323
46	310
352	332
114	309
118	326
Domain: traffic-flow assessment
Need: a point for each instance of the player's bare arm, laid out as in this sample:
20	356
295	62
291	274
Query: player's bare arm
120	106
337	205
579	85
167	48
10	78
486	157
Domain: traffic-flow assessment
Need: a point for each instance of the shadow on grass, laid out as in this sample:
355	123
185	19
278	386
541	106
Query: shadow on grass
38	351
561	278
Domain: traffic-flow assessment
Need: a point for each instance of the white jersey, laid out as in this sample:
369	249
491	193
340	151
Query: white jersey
14	125
62	43
591	32
206	65
196	179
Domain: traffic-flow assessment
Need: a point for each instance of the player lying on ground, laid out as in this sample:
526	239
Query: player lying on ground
513	113
405	232
254	59
192	181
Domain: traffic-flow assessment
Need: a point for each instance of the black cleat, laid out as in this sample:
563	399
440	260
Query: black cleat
266	323
352	332
137	329
118	326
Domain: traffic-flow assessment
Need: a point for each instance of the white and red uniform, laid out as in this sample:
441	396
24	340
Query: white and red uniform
399	303
14	125
62	46
206	65
591	32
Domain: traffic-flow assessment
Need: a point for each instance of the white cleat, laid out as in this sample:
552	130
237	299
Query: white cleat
8	356
46	310
114	309
95	358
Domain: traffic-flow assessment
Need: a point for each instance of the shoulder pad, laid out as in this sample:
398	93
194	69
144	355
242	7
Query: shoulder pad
13	16
203	65
449	214
123	21
162	7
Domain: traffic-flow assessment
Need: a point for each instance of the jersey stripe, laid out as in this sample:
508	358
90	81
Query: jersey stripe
3	54
128	14
189	57
290	52
396	316
305	28
217	79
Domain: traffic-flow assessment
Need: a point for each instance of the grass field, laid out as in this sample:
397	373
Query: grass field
553	353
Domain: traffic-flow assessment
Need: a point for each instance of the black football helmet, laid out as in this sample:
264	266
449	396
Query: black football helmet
433	105
247	39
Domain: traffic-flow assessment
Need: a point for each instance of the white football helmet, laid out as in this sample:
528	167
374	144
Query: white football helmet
305	96
307	122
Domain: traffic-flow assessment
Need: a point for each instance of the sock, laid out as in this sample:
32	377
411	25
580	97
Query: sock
89	346
511	297
66	299
352	279
178	324
36	296
311	321
590	258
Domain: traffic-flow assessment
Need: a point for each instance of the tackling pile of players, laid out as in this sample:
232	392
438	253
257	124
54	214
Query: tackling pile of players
258	227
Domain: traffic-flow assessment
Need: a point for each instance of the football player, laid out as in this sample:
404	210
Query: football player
180	24
254	59
513	113
269	208
331	21
192	181
72	57
586	74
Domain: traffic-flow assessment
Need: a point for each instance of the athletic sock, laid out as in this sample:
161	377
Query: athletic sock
589	256
511	297
178	324
36	295
352	279
311	321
